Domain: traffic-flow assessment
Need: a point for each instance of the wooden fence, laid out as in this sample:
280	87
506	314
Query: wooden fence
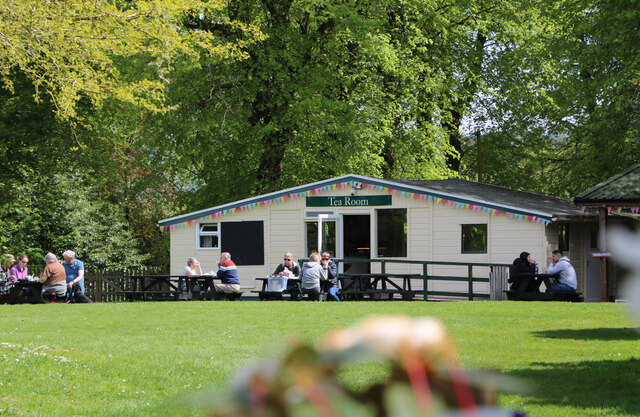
108	285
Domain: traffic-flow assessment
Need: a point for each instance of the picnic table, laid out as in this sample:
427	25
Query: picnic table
174	287
534	294
376	286
32	288
275	287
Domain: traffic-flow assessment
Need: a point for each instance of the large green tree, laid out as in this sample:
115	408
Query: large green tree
557	114
376	87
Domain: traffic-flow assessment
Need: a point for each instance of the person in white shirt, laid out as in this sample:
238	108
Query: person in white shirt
560	264
193	268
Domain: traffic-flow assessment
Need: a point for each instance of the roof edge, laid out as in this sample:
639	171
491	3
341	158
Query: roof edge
351	178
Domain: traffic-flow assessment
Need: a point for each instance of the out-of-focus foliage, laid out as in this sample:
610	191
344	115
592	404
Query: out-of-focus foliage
424	378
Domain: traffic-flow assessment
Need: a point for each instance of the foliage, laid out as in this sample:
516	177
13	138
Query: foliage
149	358
560	100
52	201
106	49
335	88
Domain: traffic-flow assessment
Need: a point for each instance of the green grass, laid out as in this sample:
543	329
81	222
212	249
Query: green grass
141	359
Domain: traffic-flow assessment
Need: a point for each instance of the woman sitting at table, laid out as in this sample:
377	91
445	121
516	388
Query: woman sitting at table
193	268
20	271
312	273
523	265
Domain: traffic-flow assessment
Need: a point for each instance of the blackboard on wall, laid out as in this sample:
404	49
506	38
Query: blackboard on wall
244	241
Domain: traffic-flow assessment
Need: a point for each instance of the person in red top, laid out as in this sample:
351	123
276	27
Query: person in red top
53	278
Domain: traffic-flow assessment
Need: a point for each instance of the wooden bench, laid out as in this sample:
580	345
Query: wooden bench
523	295
573	297
151	295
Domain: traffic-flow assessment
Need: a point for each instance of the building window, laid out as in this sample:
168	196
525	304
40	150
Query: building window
392	233
474	238
563	237
328	237
208	236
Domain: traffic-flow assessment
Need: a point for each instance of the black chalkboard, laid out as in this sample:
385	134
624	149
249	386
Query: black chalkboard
244	241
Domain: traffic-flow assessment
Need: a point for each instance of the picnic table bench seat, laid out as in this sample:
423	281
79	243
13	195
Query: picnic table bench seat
543	296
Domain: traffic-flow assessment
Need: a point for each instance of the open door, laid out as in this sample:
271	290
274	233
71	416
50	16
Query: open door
357	242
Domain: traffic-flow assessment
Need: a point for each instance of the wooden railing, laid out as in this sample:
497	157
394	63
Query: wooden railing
494	274
108	286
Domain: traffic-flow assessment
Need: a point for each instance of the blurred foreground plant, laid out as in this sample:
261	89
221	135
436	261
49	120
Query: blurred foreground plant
425	378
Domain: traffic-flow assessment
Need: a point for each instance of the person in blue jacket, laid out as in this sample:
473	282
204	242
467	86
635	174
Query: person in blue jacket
74	270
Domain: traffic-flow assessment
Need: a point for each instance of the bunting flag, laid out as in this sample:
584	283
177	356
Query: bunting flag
360	185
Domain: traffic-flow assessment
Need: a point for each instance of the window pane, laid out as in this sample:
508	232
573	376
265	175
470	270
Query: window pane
209	227
563	237
208	241
312	237
328	237
392	233
474	238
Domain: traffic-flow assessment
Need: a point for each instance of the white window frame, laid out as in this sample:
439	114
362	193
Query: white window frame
200	233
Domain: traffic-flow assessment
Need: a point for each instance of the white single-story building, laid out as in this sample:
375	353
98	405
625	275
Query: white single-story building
360	217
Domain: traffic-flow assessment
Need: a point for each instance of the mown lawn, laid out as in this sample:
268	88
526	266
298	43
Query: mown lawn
142	359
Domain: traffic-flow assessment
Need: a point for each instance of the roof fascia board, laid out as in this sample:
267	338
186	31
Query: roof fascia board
346	178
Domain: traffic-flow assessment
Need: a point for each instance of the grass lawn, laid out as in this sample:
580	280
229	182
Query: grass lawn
139	359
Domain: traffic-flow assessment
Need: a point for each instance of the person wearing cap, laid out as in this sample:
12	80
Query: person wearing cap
5	274
53	278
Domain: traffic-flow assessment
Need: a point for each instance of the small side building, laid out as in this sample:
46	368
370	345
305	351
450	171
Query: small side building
613	202
361	217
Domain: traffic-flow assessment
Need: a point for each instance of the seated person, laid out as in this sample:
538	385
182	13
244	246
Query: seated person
228	273
74	270
20	271
523	265
560	264
332	274
5	278
53	278
193	268
288	268
312	273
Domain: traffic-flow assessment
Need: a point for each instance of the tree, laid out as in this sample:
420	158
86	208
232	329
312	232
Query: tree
376	88
104	49
560	100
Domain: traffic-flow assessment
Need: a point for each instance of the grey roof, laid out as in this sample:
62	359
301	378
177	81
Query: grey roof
499	195
621	189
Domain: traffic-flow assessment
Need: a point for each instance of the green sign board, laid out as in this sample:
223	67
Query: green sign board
350	201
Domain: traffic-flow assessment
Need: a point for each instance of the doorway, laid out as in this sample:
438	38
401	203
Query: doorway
357	242
593	291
